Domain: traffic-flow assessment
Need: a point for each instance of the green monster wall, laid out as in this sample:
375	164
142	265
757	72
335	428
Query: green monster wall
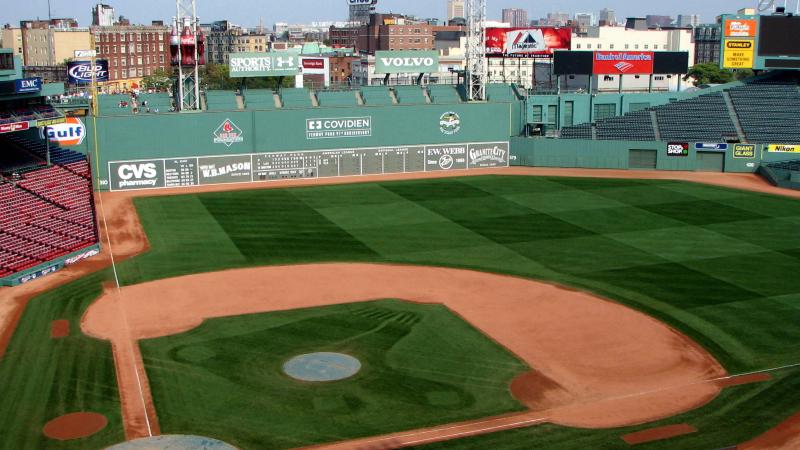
154	136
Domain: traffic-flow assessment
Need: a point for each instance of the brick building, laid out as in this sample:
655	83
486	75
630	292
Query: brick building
132	52
344	37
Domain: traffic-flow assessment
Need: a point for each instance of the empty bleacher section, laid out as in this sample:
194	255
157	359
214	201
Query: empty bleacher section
769	112
72	161
296	98
582	131
500	92
376	95
45	212
444	94
409	95
703	118
259	99
337	98
221	101
785	174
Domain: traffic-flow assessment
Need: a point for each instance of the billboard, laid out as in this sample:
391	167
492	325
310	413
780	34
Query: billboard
623	63
573	63
527	42
778	36
783	148
407	62
80	72
739	54
678	149
744	151
339	127
272	64
68	134
741	27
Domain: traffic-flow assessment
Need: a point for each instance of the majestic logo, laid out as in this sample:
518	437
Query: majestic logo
526	41
67	134
340	127
228	133
450	123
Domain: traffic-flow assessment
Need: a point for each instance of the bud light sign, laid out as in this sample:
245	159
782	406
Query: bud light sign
80	72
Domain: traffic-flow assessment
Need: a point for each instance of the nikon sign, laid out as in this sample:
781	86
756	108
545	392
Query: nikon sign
263	64
407	62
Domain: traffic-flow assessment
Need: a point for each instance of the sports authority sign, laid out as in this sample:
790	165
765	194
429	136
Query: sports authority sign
273	64
228	133
624	63
344	127
407	62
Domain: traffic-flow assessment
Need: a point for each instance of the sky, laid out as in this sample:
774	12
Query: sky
248	12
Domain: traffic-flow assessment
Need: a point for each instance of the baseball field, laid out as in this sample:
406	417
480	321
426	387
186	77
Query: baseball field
494	311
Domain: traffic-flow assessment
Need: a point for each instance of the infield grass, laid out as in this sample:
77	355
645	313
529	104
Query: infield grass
720	265
421	365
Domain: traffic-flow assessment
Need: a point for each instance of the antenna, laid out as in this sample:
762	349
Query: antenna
49	12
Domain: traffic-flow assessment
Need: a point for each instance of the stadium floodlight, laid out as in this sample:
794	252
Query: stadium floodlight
766	5
477	72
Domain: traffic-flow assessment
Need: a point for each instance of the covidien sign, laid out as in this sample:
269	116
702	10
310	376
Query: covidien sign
407	62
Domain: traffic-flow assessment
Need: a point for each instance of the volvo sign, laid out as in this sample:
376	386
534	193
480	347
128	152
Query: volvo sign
407	62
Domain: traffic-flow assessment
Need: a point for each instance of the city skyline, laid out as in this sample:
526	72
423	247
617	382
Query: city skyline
249	12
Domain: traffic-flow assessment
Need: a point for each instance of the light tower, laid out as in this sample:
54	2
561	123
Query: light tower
477	67
188	48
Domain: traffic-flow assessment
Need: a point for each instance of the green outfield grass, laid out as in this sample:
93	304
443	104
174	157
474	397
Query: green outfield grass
421	366
718	264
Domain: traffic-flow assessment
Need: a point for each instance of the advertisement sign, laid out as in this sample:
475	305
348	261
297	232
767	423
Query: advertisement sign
445	157
362	2
12	127
225	169
450	123
783	148
744	151
37	274
273	64
678	149
70	133
80	72
345	127
78	258
709	147
28	85
407	62
488	155
136	174
616	63
739	54
313	63
527	42
741	27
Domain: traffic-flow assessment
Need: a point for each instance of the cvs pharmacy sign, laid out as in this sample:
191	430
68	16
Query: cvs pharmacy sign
136	175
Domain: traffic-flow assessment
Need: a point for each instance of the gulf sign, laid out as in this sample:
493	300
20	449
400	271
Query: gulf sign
67	134
527	42
624	63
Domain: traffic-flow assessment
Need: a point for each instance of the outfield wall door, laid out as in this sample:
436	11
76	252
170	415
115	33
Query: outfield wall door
642	159
710	162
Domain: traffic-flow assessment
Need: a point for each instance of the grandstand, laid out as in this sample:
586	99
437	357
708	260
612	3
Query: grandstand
221	101
337	98
755	112
409	95
444	94
376	95
46	212
296	98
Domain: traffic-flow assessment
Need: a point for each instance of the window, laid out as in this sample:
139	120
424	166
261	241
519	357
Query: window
161	59
636	46
578	46
123	73
161	47
646	47
537	113
124	62
141	72
611	46
627	46
138	48
139	60
604	111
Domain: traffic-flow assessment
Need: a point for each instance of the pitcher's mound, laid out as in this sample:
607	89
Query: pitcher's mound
75	426
173	442
322	367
